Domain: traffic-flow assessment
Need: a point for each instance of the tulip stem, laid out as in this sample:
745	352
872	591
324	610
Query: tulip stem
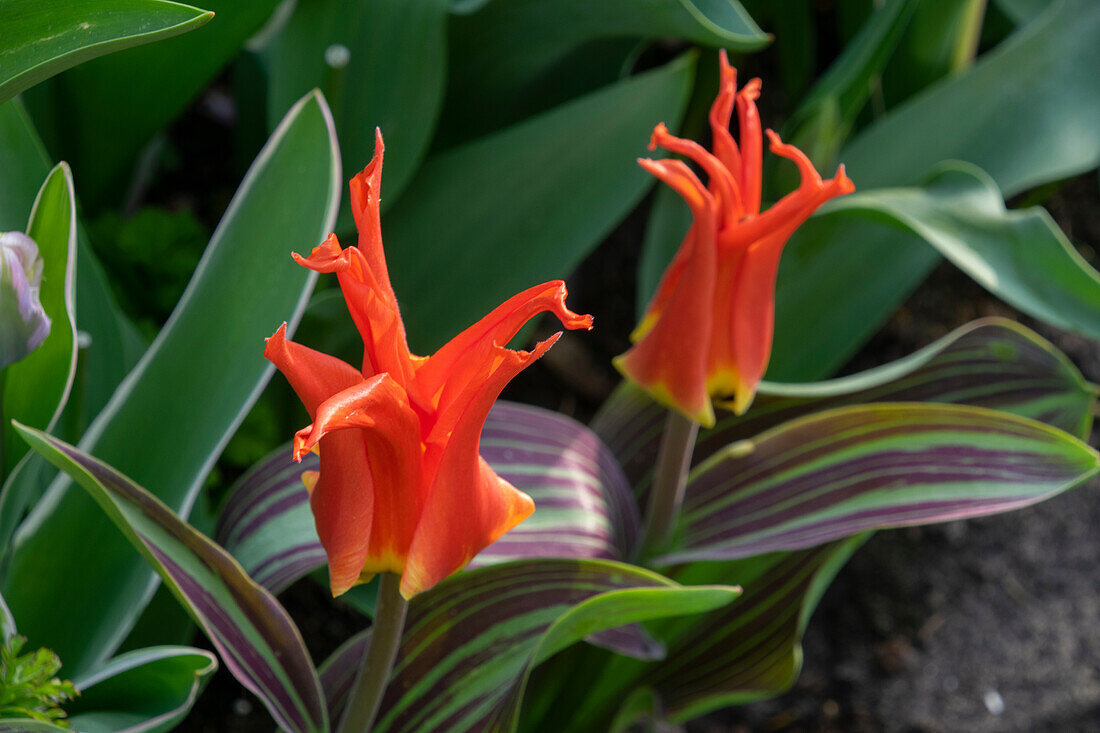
374	674
666	494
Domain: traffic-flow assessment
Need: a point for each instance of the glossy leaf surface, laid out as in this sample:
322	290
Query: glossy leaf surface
184	399
253	634
548	190
145	690
471	642
393	76
36	387
153	84
43	39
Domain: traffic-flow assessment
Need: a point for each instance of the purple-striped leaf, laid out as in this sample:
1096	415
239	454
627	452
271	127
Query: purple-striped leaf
471	642
584	507
751	649
252	633
993	363
836	473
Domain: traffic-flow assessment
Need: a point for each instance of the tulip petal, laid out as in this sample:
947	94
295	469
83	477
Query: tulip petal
462	517
376	412
313	376
683	327
449	371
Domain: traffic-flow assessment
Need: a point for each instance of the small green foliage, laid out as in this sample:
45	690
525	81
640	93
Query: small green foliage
28	685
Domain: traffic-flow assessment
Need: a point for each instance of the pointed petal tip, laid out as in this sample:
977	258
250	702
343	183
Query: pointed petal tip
660	132
328	256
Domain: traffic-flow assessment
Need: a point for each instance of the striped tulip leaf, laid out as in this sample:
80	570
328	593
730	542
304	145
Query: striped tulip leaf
252	633
994	363
840	472
141	691
471	642
751	649
584	508
43	39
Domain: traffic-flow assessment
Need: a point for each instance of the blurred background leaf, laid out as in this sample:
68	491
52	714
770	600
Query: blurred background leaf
43	39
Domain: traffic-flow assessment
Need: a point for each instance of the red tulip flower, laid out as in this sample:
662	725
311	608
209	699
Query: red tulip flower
707	333
401	486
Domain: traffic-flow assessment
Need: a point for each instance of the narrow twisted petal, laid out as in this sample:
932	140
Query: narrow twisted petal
725	149
752	146
722	184
462	360
670	358
313	376
372	306
461	516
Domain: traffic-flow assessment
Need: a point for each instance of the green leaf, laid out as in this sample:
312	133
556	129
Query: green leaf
1021	257
1022	11
848	470
144	690
752	649
100	366
825	117
43	39
543	41
253	634
172	416
403	92
35	388
547	192
478	635
1025	112
993	363
153	84
942	38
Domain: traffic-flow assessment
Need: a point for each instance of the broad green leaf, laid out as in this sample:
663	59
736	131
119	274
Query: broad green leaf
844	471
1022	257
168	422
552	46
101	364
547	191
1022	11
153	84
993	363
941	39
252	633
34	389
477	636
822	122
43	39
584	508
29	726
384	83
1025	112
145	690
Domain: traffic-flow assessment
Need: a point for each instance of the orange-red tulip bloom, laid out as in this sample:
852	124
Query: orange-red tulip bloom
708	330
401	486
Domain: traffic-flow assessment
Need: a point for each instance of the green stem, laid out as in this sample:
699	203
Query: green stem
374	674
669	478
